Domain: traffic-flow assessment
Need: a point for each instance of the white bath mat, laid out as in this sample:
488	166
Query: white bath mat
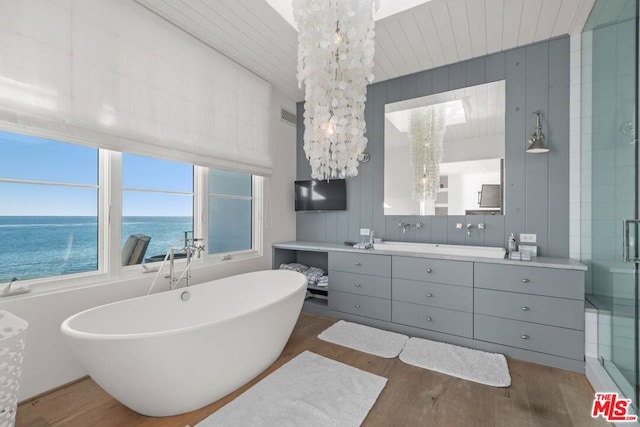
468	364
309	390
365	338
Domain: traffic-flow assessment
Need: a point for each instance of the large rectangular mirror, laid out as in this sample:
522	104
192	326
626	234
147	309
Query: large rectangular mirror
444	153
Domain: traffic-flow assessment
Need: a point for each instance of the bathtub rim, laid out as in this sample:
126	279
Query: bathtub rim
65	329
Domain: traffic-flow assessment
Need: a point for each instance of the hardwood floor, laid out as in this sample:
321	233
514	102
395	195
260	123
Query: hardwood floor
538	396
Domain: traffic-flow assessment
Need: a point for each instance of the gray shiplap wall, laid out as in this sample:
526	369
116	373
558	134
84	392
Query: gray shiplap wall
537	185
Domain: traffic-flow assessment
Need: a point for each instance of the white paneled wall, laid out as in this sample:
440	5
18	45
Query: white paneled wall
115	74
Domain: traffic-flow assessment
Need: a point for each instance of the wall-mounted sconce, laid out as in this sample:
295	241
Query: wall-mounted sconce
536	142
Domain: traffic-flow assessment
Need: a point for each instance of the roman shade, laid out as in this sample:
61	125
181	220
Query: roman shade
117	76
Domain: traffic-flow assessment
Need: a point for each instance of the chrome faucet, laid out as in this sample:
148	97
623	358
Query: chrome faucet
469	227
192	246
404	226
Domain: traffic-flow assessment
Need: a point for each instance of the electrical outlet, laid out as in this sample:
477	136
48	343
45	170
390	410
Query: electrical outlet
364	231
527	238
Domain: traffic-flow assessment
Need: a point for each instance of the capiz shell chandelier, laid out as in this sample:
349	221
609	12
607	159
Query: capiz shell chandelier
427	129
335	59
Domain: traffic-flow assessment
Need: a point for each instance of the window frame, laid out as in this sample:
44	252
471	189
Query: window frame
116	261
109	218
100	273
256	218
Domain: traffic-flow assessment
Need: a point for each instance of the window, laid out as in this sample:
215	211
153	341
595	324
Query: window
68	208
49	215
230	211
157	207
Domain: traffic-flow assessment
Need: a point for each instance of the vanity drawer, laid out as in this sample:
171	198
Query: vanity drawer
375	308
362	284
433	294
567	313
432	318
530	336
433	270
377	265
531	280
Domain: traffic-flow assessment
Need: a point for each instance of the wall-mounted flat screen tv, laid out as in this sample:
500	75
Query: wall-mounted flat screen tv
317	195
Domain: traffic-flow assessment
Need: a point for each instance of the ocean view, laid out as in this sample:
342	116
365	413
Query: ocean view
41	246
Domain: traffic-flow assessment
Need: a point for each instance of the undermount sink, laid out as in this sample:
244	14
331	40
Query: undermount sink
433	248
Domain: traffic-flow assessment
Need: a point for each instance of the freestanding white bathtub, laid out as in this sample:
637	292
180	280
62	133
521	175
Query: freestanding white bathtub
160	355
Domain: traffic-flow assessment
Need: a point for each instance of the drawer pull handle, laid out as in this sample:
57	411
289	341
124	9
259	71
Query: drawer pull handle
429	270
429	319
358	285
525	280
525	308
357	306
429	295
525	337
358	264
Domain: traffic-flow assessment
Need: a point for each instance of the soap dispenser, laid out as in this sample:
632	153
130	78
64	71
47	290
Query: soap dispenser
511	243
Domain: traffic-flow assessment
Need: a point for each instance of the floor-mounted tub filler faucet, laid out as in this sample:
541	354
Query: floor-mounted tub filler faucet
192	247
8	291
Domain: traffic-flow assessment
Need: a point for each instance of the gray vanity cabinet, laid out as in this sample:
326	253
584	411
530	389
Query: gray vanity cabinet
433	270
527	310
433	294
360	284
370	264
531	308
553	282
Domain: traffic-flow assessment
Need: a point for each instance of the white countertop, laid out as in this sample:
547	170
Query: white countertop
549	262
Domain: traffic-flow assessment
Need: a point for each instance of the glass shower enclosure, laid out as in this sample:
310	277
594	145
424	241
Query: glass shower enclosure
609	183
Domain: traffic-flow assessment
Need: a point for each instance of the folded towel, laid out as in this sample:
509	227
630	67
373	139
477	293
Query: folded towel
314	274
294	266
323	281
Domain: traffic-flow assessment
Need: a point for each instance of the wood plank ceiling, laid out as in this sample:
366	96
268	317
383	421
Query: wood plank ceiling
433	34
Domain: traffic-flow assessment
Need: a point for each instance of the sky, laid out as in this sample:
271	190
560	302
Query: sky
39	159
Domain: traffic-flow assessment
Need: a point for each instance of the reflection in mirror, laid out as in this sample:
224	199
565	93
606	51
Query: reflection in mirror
444	153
